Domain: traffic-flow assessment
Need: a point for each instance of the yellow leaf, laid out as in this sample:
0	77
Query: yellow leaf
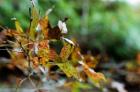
18	27
34	22
69	70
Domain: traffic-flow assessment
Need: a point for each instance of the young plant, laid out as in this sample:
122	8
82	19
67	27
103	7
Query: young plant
33	50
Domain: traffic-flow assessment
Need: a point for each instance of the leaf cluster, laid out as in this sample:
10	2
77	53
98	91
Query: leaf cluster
34	50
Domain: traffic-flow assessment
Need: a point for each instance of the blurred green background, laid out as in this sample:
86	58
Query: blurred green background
102	26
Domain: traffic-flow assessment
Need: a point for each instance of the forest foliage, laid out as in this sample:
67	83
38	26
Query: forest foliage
40	47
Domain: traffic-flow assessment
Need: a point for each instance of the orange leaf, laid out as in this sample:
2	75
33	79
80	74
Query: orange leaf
95	77
35	61
44	23
53	55
90	61
44	44
66	50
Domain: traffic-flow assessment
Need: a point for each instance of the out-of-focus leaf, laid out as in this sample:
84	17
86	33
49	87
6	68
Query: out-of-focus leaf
76	86
69	70
97	78
11	32
2	37
62	27
35	61
18	60
34	22
138	58
90	61
76	55
119	86
18	26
